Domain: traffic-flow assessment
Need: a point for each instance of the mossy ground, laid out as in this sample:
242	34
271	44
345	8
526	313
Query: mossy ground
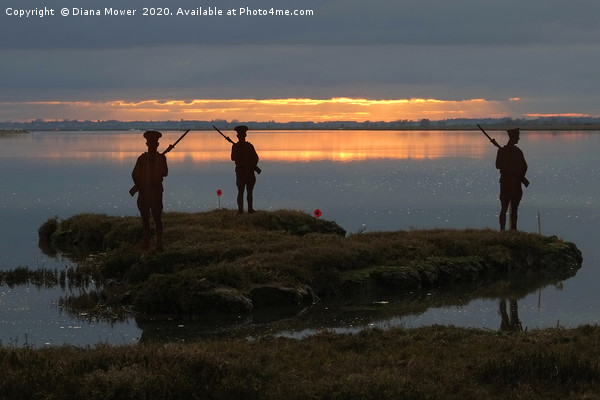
215	261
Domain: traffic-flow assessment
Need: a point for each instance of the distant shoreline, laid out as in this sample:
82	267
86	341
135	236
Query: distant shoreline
506	127
12	131
408	128
447	128
457	124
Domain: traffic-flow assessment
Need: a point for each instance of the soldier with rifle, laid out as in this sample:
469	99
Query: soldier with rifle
256	168
245	158
148	173
511	163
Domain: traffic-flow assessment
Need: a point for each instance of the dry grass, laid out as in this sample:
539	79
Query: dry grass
424	363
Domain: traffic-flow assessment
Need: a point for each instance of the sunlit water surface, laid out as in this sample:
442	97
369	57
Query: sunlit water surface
363	180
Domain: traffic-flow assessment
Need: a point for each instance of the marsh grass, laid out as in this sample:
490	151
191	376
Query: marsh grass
213	260
424	363
40	277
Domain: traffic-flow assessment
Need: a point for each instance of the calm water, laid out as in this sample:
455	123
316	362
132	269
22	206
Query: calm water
364	180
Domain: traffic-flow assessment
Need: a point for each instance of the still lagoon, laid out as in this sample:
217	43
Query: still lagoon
363	180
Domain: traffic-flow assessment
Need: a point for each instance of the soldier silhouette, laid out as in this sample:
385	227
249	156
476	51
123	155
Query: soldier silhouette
511	163
246	159
148	173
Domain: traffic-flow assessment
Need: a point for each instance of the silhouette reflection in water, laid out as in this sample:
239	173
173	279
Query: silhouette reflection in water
509	317
511	163
148	173
246	160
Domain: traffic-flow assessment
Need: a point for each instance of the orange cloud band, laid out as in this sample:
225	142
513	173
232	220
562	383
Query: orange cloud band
278	110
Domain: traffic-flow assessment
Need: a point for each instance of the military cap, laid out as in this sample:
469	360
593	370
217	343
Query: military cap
152	135
513	133
241	129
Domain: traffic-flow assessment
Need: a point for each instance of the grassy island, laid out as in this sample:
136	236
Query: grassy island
12	131
218	262
223	263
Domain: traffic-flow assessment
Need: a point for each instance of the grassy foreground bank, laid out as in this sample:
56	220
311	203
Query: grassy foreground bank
424	363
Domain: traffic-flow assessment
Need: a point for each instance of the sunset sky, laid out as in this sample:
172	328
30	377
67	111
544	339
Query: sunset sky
343	60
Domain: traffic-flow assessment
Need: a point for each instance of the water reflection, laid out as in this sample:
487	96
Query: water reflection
357	178
286	146
510	316
496	301
280	146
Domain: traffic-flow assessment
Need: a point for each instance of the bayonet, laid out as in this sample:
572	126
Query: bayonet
172	146
488	136
222	134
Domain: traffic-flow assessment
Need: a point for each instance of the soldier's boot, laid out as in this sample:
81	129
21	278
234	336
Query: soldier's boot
159	233
502	220
159	242
250	201
145	245
513	220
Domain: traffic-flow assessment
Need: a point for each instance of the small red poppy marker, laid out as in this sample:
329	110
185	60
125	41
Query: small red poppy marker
317	213
219	193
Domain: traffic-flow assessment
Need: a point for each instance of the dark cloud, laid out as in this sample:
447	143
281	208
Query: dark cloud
544	50
261	71
432	22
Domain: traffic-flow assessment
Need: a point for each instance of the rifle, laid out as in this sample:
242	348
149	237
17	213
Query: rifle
524	180
488	136
134	189
222	134
258	170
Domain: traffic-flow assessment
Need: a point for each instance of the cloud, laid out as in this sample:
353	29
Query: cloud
278	110
270	71
543	52
350	22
